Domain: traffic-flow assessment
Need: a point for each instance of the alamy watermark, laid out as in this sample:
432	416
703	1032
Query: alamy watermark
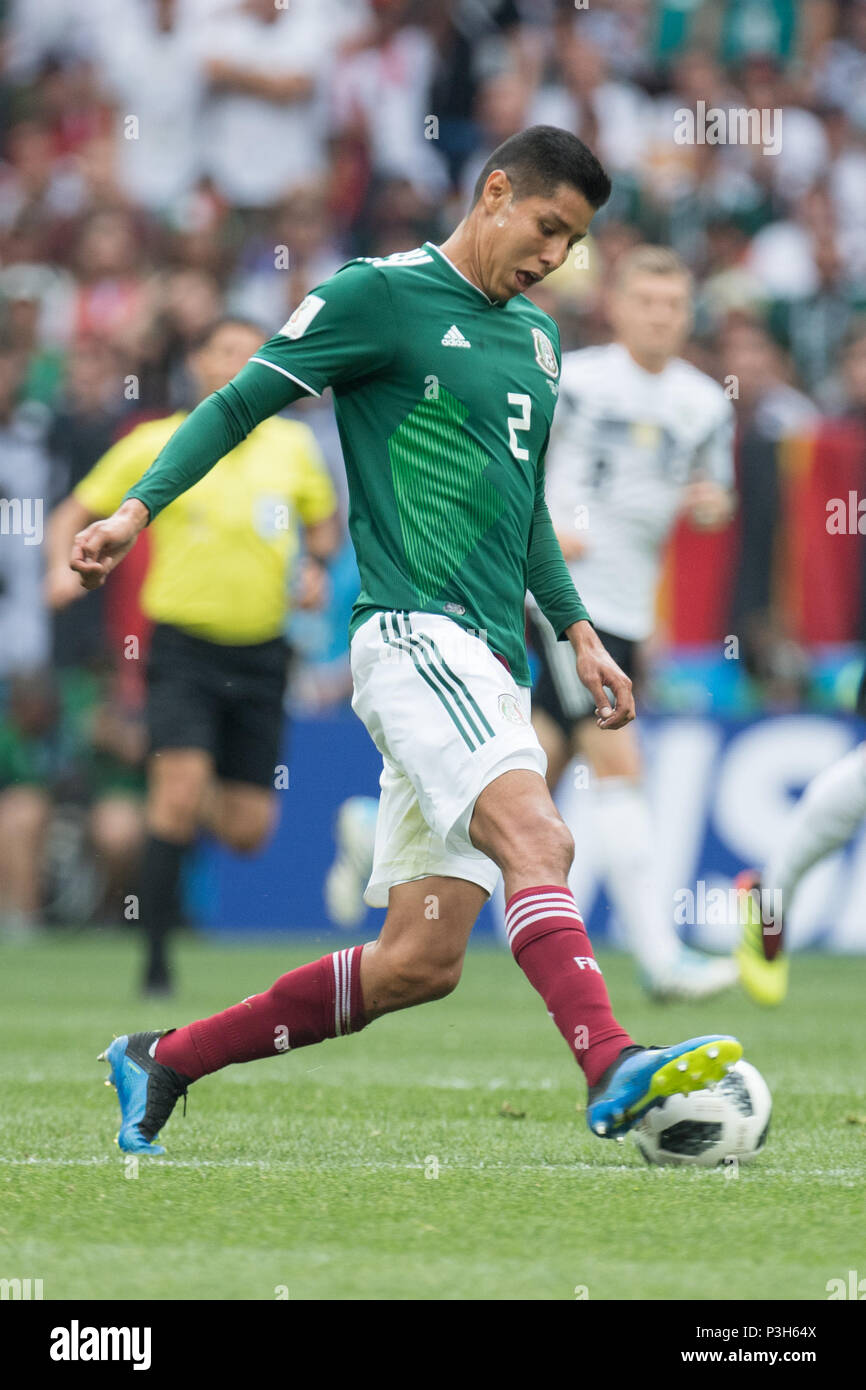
725	907
22	516
720	125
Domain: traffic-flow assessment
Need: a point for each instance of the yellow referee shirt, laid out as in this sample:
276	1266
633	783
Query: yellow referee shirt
222	553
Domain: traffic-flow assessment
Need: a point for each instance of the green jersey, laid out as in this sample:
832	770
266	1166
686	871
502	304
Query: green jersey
444	401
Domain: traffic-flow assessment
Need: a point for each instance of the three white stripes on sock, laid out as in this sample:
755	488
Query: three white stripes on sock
343	979
555	903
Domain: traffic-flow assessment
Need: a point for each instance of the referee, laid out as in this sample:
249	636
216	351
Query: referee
225	559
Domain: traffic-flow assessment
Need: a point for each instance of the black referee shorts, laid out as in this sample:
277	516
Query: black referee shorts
557	689
226	700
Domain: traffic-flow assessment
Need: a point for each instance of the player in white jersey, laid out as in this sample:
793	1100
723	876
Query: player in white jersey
828	815
640	436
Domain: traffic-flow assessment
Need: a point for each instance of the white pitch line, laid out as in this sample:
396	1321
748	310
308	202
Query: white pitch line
851	1176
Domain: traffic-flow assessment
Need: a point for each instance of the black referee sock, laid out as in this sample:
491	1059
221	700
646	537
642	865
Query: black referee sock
160	893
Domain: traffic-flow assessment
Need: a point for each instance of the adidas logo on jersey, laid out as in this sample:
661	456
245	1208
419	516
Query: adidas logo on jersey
454	338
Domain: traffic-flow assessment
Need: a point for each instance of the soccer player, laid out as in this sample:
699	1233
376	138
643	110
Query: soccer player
217	588
827	816
445	378
640	437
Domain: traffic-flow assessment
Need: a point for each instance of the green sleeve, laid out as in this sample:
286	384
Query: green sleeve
343	331
212	430
549	581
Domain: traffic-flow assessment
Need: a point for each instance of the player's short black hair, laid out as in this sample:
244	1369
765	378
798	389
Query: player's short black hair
539	159
202	339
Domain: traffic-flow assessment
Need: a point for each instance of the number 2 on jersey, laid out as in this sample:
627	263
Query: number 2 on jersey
518	422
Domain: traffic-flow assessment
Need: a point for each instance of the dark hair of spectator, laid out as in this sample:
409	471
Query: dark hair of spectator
541	158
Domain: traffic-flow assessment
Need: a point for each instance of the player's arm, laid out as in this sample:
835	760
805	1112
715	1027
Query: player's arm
211	431
95	496
340	333
552	587
709	499
62	585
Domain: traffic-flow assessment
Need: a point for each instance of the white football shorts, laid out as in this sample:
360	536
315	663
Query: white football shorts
448	718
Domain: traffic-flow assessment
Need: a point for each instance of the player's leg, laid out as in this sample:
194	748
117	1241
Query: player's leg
557	746
418	957
419	953
516	824
178	781
182	725
240	815
454	727
248	685
346	879
827	816
562	706
629	860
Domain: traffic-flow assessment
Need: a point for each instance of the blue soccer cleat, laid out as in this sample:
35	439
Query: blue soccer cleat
642	1077
147	1090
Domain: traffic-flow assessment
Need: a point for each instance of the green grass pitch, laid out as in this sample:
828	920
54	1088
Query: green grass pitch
441	1154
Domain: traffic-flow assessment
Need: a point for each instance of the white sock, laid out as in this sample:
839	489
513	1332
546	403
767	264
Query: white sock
628	863
826	817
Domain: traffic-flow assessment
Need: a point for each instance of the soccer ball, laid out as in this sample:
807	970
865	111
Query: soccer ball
729	1121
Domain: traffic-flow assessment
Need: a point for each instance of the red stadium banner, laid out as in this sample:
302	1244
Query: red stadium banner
817	548
817	581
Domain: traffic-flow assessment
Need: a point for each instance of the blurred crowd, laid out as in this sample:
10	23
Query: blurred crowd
164	162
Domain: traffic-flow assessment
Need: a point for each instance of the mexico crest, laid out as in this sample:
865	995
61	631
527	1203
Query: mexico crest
544	354
509	708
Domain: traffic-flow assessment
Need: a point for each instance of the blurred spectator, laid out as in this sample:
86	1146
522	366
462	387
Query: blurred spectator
851	399
812	326
279	267
83	427
475	40
381	100
26	292
71	815
840	67
609	116
501	110
188	302
33	180
24	493
768	409
152	65
265	67
113	299
727	284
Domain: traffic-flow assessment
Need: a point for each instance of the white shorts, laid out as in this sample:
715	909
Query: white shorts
448	719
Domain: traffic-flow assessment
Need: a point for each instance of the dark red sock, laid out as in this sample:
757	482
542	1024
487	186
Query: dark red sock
549	942
320	1000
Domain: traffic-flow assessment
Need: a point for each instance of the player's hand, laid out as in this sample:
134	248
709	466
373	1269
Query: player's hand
707	505
597	670
312	587
100	547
